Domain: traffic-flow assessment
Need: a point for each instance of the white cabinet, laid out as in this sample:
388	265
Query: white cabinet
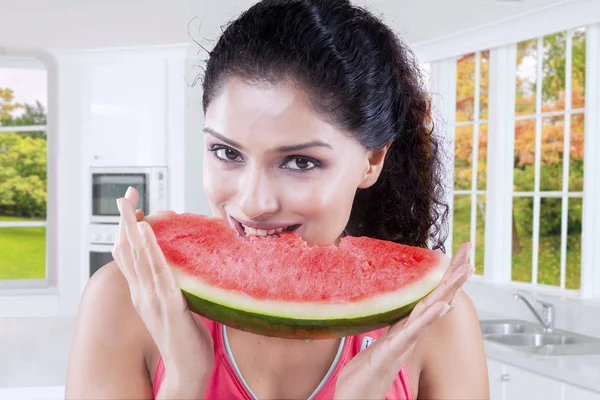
575	392
127	122
508	382
525	385
496	376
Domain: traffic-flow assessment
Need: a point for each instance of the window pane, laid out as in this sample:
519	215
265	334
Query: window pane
482	157
551	167
522	225
484	84
461	229
576	153
573	273
526	77
463	157
23	252
549	243
524	155
578	69
553	86
480	235
465	88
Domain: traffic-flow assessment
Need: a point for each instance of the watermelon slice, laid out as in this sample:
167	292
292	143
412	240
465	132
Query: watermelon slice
285	288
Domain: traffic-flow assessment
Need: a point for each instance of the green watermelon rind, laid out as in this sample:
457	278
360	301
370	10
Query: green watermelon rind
292	328
259	318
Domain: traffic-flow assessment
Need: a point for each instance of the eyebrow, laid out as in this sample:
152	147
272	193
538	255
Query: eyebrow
281	149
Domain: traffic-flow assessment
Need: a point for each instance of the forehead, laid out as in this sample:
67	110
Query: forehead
273	114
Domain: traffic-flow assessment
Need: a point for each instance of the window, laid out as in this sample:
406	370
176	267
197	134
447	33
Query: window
535	112
548	160
23	169
470	153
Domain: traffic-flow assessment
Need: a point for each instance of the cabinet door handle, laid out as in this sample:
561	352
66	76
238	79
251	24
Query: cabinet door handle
505	377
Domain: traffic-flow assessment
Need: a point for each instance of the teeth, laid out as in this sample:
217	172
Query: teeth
260	232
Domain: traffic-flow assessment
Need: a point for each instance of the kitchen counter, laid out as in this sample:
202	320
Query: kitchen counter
581	370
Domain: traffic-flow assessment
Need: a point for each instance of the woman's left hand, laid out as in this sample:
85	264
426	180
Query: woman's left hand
371	372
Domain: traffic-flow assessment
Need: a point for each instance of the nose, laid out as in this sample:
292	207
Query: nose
257	196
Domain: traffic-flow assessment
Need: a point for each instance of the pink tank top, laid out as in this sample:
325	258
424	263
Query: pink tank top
227	383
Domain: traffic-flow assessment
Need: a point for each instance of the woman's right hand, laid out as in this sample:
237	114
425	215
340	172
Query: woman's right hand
185	346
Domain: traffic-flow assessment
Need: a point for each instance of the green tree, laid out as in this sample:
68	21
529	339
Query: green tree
7	104
22	175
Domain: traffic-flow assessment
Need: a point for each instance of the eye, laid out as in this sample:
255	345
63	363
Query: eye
226	154
296	163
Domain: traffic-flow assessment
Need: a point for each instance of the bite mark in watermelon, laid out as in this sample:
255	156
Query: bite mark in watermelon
283	287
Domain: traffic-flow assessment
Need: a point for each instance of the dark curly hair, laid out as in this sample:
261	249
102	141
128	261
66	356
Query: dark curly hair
361	78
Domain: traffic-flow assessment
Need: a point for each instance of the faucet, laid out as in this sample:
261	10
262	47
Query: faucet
547	318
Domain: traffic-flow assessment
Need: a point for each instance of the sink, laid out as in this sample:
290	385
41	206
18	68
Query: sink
503	328
530	338
534	339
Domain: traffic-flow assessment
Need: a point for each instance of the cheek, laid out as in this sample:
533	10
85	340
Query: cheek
219	184
325	202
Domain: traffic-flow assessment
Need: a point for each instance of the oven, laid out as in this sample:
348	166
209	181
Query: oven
111	183
101	238
100	255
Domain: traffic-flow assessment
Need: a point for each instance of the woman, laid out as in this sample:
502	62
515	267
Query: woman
314	118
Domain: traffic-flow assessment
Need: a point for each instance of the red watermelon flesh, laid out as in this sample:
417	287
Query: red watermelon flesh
277	286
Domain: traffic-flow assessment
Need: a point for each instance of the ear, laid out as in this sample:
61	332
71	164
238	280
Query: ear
376	160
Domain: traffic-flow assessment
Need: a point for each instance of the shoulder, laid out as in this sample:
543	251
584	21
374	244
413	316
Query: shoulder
110	339
453	362
106	297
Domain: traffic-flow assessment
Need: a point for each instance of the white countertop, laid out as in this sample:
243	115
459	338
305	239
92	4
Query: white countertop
582	370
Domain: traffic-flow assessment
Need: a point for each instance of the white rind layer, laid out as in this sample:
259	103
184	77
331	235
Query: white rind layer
315	311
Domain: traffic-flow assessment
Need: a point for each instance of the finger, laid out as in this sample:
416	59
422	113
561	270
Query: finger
461	257
163	277
121	253
445	291
139	215
133	196
413	330
137	246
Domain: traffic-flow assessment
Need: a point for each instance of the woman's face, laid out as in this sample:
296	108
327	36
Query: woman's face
271	163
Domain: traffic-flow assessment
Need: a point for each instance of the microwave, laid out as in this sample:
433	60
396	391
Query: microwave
111	183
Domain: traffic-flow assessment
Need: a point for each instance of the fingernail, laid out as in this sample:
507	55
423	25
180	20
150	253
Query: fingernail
128	192
119	205
445	310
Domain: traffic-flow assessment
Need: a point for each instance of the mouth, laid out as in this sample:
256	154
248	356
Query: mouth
273	230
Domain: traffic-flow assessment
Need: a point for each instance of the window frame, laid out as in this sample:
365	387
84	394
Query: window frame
12	286
501	125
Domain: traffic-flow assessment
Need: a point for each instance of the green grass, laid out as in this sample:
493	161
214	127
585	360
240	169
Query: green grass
549	261
22	252
549	247
462	229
